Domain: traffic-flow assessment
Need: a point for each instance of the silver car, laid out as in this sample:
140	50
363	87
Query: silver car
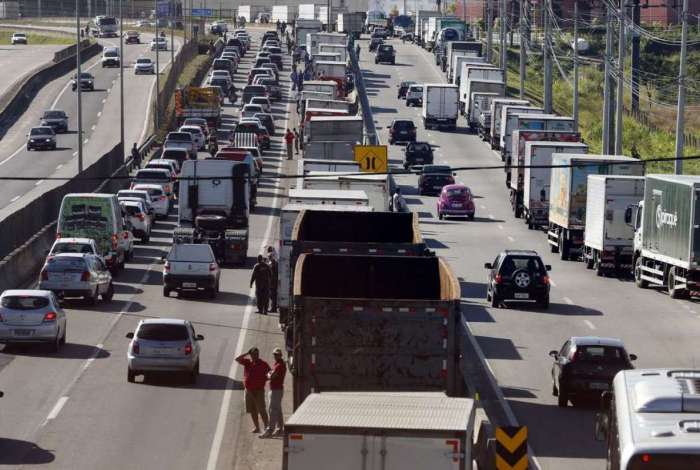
144	65
163	345
32	316
77	275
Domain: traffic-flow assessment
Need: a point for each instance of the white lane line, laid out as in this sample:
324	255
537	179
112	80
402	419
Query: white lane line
14	198
589	324
75	153
85	141
58	167
490	216
568	301
233	371
99	114
38	182
552	283
93	128
57	408
104	101
483	206
500	227
13	155
511	239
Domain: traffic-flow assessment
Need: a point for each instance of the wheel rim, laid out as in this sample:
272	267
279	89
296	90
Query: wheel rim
522	279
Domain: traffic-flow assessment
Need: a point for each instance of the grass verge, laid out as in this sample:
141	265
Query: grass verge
38	39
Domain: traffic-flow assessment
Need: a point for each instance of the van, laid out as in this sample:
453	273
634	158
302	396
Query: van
99	217
110	57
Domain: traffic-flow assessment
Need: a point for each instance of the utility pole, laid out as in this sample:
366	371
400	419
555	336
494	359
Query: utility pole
521	31
636	19
546	53
39	8
489	31
607	87
78	86
157	119
575	100
680	118
619	107
172	34
121	74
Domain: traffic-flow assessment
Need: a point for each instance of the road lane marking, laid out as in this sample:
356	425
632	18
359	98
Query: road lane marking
511	239
14	198
93	128
38	182
500	227
589	324
490	216
568	301
104	101
57	408
99	114
552	283
59	166
85	141
483	206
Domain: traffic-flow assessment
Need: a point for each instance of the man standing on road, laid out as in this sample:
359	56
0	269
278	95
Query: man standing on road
296	141
398	202
136	156
357	52
289	139
294	78
261	277
276	376
255	372
274	268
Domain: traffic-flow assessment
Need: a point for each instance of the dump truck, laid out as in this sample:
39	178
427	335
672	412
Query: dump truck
608	244
213	207
198	102
568	192
354	331
496	107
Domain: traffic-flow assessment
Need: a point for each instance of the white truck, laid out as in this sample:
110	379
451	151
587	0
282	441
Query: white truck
496	107
440	106
511	113
333	149
608	240
245	11
313	40
306	165
375	185
334	128
472	73
380	431
480	116
537	175
458	63
422	22
282	13
307	11
328	69
303	26
339	49
475	85
351	23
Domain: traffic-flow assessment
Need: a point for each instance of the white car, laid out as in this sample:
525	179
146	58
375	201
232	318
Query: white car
251	110
136	212
137	194
159	43
198	137
19	38
263	101
73	245
225	74
32	316
144	65
159	200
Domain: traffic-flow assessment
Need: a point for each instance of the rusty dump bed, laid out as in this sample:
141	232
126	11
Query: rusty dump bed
374	323
359	227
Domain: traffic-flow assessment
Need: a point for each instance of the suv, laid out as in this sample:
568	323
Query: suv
417	153
414	95
132	37
433	178
518	275
586	366
87	82
110	57
55	119
385	53
402	130
19	38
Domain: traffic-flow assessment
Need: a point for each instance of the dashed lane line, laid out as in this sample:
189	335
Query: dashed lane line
568	301
589	324
57	408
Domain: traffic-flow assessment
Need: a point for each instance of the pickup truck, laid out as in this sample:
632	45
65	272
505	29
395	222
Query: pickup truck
181	140
191	267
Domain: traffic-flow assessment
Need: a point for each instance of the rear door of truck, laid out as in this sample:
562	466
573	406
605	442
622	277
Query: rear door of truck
325	451
421	452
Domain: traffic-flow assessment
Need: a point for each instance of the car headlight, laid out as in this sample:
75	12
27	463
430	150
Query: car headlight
44	123
48	140
32	140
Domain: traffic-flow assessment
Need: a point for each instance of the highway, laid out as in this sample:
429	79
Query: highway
101	128
75	410
20	61
516	341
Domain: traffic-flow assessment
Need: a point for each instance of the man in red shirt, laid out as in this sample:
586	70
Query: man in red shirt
255	372
276	376
289	139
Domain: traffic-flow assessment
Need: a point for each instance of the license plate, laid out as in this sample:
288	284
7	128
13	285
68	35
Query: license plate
519	295
419	160
458	205
161	352
24	332
189	284
437	187
598	386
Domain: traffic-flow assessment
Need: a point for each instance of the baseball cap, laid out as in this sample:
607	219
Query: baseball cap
277	351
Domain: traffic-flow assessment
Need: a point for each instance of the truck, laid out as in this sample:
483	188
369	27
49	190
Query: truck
317	164
351	24
440	106
302	200
485	85
439	35
322	16
421	22
213	207
568	192
512	117
374	335
245	11
323	86
667	235
283	14
302	27
472	73
537	175
458	62
375	19
334	71
369	429
334	149
336	128
608	244
496	107
339	49
105	27
313	40
198	102
375	185
315	103
307	11
455	48
480	116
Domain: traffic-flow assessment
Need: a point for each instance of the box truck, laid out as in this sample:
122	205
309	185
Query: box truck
302	27
496	108
458	63
375	185
282	13
440	106
568	191
471	73
485	85
351	24
608	243
454	48
422	22
307	11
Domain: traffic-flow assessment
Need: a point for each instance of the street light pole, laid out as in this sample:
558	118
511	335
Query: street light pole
78	86
121	74
157	43
680	114
172	34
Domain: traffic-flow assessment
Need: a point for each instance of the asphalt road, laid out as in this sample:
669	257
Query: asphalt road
19	61
75	410
516	341
101	123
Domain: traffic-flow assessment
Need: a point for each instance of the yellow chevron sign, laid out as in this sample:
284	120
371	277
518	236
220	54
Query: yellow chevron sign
511	448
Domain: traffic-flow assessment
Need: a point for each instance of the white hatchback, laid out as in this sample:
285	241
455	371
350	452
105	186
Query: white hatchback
197	135
159	200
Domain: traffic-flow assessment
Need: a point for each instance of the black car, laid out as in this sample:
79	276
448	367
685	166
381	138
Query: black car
417	153
402	130
87	82
403	88
385	53
586	366
518	275
374	43
433	178
277	60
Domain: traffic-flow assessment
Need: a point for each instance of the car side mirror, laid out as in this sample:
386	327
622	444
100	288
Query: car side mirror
548	267
488	266
454	173
130	335
199	338
554	354
633	357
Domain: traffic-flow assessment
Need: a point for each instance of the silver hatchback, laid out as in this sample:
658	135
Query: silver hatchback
164	345
32	316
77	275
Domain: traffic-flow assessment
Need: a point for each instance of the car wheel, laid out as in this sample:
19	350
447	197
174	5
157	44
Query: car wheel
562	398
166	292
107	296
130	376
439	215
212	293
56	344
544	303
92	299
495	301
28	148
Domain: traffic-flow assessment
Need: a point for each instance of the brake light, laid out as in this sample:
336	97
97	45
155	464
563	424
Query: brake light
498	279
85	276
114	242
44	275
166	267
545	280
58	234
140	216
135	348
188	348
50	316
212	267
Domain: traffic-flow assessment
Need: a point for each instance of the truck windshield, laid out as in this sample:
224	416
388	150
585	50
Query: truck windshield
106	22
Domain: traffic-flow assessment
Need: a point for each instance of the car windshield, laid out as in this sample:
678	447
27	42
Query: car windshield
247	127
180	136
420	147
385	48
457	192
416	89
54	114
41	131
21	302
71	248
154	192
131	209
599	353
111	54
403	125
85	76
153	175
137	194
20	35
162	332
143	61
530	264
437	169
69	265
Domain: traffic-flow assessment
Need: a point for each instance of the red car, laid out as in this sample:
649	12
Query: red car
456	201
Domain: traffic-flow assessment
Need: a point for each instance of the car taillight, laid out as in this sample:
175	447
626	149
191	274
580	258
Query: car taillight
498	279
114	242
166	267
44	275
50	316
85	276
545	280
140	216
125	235
135	348
212	267
188	348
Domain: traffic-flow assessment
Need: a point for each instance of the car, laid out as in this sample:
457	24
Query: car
374	43
253	90
191	267
259	71
163	345
267	120
274	91
136	213
403	88
56	119
456	200
159	43
518	275
110	57
77	275
250	110
178	155
181	140
32	316
225	85
385	53
414	95
402	130
159	176
41	138
276	59
198	137
273	68
87	82
139	194
201	122
585	367
132	37
73	245
145	24
159	199
263	101
224	64
19	38
417	153
433	178
144	65
225	74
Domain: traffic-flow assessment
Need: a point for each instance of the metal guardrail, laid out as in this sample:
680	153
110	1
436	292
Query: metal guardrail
144	149
371	135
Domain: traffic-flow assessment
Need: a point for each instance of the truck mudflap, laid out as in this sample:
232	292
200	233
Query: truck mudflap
236	251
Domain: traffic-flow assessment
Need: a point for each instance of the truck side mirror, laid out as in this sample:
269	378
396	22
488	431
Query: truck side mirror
600	426
628	216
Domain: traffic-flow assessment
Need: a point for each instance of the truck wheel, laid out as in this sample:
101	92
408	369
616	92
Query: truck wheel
641	283
563	398
166	292
673	291
563	249
495	301
589	262
599	271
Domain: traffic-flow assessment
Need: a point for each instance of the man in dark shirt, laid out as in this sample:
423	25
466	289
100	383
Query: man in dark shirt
274	266
255	372
262	278
276	376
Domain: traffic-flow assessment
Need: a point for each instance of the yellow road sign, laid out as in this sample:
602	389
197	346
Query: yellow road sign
511	448
372	158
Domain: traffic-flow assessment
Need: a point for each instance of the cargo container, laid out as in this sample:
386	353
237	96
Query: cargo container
323	86
373	431
480	117
464	57
667	235
440	106
351	24
474	72
324	56
245	11
354	331
537	175
307	11
375	185
342	128
421	23
330	149
317	164
331	70
496	109
313	40
302	27
453	48
608	244
315	103
283	14
474	85
339	49
568	190
512	117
